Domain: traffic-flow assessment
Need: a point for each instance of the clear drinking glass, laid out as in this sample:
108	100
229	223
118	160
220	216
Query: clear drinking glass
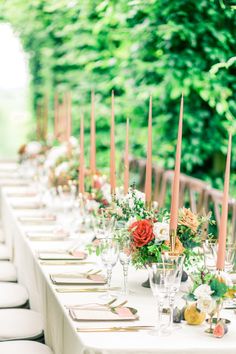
109	251
210	254
173	264
156	272
125	258
103	225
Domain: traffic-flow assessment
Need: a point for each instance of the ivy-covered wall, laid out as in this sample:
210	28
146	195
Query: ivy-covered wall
138	48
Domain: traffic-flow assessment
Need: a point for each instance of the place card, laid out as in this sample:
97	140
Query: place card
102	313
78	279
61	255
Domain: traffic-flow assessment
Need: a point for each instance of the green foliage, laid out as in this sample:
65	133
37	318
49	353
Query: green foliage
139	48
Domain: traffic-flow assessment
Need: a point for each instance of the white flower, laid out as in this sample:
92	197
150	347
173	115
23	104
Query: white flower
92	205
202	290
106	191
54	154
139	195
73	142
33	148
161	231
63	167
131	221
226	278
206	304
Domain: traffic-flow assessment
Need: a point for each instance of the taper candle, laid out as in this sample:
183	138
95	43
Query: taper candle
148	179
45	118
112	148
220	264
126	169
176	181
93	136
81	160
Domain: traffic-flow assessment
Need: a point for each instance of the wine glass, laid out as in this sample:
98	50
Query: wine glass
103	225
173	263
156	272
210	254
125	258
109	251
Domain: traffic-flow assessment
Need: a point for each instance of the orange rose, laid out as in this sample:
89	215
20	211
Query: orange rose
142	232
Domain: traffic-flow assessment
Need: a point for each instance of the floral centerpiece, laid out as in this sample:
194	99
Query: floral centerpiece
207	292
98	191
148	229
62	163
31	151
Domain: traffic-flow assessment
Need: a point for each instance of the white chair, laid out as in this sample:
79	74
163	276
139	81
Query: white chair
21	324
7	272
13	295
4	253
24	347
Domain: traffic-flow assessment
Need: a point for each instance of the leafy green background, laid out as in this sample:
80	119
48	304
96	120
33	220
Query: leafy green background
138	48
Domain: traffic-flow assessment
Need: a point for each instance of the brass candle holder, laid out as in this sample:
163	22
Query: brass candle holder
173	235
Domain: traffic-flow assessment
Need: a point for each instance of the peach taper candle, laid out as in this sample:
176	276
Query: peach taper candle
93	136
126	170
176	182
112	148
220	264
148	179
81	160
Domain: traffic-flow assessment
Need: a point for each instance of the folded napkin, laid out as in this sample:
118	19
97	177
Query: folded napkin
102	313
34	205
35	219
60	255
78	279
46	235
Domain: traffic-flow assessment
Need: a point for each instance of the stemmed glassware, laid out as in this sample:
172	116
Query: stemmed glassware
103	225
173	264
210	248
67	195
156	272
109	251
125	258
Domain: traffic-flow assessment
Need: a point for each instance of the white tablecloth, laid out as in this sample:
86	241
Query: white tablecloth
60	330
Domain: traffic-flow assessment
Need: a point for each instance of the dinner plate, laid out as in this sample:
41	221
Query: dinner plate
104	314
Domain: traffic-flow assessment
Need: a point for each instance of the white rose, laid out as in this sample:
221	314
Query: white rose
131	221
161	231
63	167
73	142
226	278
92	205
54	154
139	195
33	148
206	304
202	290
106	191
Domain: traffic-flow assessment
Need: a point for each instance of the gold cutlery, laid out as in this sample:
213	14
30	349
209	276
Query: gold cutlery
83	290
98	306
75	275
90	304
114	329
62	262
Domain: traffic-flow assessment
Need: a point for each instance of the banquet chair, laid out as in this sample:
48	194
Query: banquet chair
21	324
13	295
4	252
213	199
192	191
24	347
157	172
7	272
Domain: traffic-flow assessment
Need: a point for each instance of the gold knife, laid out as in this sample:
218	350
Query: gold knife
83	290
62	262
114	329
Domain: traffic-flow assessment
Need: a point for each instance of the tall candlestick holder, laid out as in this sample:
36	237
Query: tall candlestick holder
173	235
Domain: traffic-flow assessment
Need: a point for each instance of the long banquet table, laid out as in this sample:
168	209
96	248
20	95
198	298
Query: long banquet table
60	329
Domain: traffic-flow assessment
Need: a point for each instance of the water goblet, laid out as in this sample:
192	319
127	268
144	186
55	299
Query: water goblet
156	272
125	258
103	225
173	263
109	251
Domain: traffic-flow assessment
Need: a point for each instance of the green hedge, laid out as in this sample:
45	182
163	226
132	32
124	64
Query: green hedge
139	48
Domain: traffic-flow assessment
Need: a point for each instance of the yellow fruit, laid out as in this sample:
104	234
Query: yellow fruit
193	316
